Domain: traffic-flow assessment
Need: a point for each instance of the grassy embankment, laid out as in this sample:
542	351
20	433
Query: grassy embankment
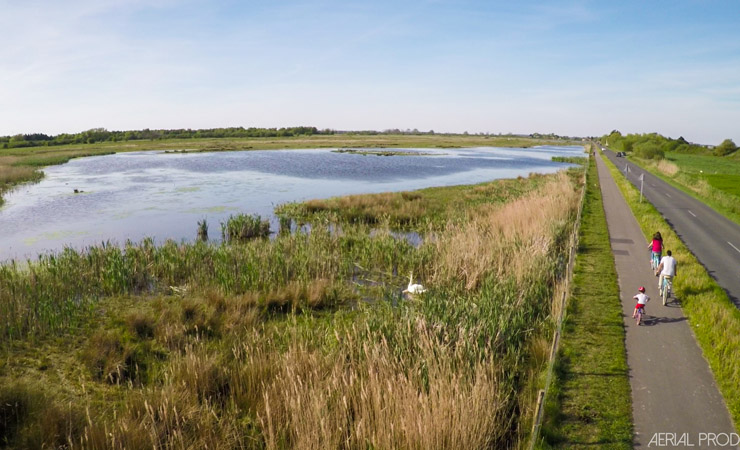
714	320
303	341
590	403
715	180
20	165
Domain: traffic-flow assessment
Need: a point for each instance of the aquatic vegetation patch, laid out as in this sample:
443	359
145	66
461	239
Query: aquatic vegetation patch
242	227
365	152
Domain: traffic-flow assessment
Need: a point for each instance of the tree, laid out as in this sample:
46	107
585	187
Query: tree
725	148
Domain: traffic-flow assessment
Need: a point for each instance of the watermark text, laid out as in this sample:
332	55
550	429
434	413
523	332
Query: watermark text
700	440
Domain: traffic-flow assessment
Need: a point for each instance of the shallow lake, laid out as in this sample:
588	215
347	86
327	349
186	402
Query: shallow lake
163	196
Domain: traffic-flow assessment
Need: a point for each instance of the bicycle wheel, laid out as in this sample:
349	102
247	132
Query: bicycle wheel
664	291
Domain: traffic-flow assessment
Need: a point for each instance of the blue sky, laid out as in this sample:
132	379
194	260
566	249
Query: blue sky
567	67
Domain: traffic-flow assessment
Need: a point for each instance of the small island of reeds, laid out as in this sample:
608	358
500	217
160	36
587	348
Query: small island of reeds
365	152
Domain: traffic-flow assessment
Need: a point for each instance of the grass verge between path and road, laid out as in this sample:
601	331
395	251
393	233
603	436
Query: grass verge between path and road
713	318
713	180
590	401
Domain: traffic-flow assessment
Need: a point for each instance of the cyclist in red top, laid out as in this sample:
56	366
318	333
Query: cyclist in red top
656	248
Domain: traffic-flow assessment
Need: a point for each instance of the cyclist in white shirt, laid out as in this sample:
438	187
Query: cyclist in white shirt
642	299
666	268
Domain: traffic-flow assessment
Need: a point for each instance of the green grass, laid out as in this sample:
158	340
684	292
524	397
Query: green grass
708	164
725	183
714	319
590	403
581	160
711	179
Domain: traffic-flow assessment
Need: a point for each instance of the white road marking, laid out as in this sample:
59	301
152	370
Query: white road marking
738	249
691	212
667	194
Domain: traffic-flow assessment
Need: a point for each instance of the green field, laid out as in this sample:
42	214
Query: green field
712	179
721	173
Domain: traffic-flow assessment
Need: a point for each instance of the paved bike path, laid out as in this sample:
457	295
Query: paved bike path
673	390
711	237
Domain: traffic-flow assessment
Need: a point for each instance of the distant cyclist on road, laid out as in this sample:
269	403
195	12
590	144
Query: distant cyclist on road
656	248
666	268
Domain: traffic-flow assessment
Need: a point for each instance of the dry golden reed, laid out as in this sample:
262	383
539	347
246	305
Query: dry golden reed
317	402
506	239
667	168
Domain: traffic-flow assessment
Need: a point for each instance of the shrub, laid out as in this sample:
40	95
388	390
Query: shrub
649	150
725	148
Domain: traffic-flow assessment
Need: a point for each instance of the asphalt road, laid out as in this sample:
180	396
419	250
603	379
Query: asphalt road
675	400
711	237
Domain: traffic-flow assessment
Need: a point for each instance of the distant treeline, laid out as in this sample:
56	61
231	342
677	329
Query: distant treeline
103	135
655	146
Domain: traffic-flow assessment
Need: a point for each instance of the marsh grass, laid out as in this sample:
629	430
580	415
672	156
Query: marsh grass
31	418
382	152
403	210
714	319
424	210
242	227
11	176
266	344
581	160
203	230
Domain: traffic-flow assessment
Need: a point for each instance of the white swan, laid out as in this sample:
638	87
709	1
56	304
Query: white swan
414	288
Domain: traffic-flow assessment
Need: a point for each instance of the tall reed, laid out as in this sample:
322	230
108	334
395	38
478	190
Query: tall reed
242	227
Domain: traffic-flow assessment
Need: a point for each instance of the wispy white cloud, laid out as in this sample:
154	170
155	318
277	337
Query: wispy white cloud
570	66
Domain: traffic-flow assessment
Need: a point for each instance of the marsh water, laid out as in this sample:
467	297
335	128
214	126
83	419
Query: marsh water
129	196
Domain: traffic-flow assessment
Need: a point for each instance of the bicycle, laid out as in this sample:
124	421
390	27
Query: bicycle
642	299
654	261
665	288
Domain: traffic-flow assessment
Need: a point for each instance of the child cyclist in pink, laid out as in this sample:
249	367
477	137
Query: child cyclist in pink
656	249
642	300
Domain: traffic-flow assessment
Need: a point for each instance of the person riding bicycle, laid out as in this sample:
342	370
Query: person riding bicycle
642	299
667	268
656	248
